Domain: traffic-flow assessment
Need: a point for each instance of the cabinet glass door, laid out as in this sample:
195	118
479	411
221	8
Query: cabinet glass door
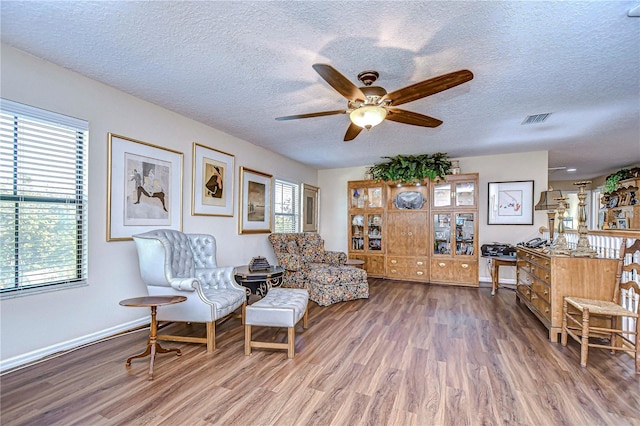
357	232
465	229
465	194
359	198
374	231
442	195
374	197
442	233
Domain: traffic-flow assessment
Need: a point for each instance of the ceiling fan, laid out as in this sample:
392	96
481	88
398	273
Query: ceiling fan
369	105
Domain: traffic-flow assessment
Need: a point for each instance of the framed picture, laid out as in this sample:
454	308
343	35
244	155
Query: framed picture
144	188
213	182
255	202
622	223
510	203
309	208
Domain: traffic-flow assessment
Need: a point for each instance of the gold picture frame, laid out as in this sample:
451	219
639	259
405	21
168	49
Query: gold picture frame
310	208
256	203
212	185
144	187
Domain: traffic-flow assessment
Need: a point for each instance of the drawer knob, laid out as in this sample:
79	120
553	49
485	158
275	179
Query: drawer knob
546	292
393	271
410	233
420	273
442	264
419	263
393	261
464	266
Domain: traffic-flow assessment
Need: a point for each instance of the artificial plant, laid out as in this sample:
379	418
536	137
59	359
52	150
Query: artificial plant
412	169
611	183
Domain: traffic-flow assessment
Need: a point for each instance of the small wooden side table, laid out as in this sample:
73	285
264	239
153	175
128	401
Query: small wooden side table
355	262
495	262
153	346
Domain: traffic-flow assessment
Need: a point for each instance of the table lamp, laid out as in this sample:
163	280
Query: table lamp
549	203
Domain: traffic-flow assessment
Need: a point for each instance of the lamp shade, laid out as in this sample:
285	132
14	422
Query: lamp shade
368	116
548	200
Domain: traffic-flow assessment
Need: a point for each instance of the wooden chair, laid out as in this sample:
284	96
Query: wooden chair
579	314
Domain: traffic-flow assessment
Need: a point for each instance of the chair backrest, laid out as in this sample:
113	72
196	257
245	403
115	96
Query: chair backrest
308	245
627	291
164	254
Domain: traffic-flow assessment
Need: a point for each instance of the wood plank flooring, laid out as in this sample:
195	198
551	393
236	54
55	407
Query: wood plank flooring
412	354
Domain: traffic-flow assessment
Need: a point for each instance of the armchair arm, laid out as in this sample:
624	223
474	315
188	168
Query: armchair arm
219	277
183	284
334	258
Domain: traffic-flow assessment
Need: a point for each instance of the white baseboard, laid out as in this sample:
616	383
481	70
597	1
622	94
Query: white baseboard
33	356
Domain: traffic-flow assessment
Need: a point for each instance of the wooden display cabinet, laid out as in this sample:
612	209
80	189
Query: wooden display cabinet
408	233
366	225
424	233
454	230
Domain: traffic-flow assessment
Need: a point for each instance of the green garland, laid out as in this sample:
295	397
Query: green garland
412	169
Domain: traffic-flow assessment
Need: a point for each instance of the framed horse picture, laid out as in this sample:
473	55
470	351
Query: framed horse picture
144	188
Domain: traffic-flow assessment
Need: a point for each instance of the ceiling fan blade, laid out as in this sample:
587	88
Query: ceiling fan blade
352	132
428	87
312	114
339	82
413	118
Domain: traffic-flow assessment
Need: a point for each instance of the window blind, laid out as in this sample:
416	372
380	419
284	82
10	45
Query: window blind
286	207
43	199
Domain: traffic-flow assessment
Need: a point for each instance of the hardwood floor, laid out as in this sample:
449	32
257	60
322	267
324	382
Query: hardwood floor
412	354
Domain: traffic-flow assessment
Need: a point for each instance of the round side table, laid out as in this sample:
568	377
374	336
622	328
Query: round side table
354	262
261	281
153	346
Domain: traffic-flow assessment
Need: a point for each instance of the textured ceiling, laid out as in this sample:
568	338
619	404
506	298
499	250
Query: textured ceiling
237	65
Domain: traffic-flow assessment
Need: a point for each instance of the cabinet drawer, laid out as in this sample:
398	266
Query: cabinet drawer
408	273
524	291
542	306
541	289
541	261
540	273
406	262
442	270
465	271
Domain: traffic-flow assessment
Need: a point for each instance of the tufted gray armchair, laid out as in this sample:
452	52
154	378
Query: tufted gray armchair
174	263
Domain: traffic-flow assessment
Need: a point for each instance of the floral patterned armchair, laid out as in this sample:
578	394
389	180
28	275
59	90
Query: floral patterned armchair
323	273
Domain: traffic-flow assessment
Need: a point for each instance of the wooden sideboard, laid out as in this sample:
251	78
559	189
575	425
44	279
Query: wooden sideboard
543	280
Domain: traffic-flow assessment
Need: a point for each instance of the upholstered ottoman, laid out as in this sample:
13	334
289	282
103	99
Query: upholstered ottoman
333	284
281	307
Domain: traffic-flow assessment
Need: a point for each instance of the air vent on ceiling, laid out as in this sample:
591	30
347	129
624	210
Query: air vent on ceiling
536	119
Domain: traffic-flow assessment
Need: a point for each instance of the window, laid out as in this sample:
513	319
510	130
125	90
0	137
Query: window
43	200
286	207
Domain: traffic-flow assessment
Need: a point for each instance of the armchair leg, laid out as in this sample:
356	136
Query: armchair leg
244	311
211	336
305	319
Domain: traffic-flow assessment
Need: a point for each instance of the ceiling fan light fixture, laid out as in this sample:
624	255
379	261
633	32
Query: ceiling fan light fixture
368	116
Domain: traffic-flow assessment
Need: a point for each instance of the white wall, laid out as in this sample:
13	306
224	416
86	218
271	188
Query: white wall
496	168
36	325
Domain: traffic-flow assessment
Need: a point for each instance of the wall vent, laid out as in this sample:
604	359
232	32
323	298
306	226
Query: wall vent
536	119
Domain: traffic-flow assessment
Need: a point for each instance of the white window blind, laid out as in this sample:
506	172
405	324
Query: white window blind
43	200
286	207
